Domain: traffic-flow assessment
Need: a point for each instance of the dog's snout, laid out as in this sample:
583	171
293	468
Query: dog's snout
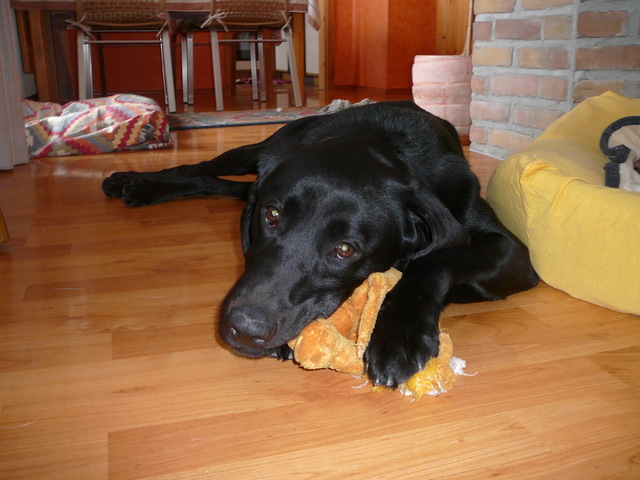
250	327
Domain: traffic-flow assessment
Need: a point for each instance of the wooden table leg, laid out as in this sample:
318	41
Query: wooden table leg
24	37
43	60
4	232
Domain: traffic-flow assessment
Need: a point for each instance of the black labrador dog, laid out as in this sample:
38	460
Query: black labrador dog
336	198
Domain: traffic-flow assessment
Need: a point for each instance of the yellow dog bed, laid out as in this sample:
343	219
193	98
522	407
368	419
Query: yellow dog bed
583	236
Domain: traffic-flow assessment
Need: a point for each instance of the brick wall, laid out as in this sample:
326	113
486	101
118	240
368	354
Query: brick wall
533	60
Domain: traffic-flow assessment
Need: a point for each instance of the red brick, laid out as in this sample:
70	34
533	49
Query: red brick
493	6
543	57
540	4
557	27
534	117
479	84
608	58
494	111
520	85
519	29
586	88
509	140
553	88
478	134
481	31
602	24
493	56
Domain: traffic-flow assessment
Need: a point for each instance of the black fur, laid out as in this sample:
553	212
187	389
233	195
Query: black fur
336	198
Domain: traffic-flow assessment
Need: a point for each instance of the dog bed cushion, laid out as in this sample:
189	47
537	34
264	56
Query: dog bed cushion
582	235
99	125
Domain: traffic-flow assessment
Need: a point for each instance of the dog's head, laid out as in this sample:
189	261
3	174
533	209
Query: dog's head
315	226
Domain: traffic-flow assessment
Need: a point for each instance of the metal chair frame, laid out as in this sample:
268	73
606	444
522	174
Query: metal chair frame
217	21
87	28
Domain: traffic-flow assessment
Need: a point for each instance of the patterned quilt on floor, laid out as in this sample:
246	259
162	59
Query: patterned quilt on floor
99	125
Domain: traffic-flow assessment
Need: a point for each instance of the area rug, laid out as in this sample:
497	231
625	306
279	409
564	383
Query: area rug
188	121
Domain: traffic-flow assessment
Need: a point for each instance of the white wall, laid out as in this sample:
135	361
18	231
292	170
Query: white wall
312	54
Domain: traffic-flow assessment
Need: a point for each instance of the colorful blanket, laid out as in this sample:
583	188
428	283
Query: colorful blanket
99	125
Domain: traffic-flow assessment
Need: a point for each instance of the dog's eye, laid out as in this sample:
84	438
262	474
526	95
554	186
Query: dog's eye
344	251
271	216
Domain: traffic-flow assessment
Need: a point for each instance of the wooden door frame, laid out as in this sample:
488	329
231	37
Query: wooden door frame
325	47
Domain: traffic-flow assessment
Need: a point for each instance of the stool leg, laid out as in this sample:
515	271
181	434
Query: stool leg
85	74
183	70
217	71
293	67
186	46
262	66
254	68
167	70
190	79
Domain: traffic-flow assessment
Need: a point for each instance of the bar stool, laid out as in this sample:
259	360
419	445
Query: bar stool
122	16
252	17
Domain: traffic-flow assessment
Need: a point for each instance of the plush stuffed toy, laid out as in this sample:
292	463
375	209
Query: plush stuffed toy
339	342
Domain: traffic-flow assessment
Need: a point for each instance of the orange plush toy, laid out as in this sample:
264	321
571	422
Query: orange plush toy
339	342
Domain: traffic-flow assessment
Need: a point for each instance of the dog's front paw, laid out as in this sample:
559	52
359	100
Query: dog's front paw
113	185
141	192
395	353
283	353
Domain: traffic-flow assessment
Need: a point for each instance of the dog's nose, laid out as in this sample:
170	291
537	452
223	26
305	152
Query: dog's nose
249	327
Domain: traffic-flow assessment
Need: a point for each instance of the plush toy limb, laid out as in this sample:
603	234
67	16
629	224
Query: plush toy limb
339	342
437	377
377	286
323	346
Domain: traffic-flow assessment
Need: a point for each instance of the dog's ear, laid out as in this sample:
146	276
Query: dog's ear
266	164
432	225
246	218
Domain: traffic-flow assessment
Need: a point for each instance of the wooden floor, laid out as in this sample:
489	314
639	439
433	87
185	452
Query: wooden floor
110	368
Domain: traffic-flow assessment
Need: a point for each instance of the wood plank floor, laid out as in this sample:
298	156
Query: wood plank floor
110	367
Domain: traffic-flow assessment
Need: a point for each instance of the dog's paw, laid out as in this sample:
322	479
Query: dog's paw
283	353
141	192
394	355
113	185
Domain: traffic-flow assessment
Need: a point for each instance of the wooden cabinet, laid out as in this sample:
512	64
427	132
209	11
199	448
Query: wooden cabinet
372	43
